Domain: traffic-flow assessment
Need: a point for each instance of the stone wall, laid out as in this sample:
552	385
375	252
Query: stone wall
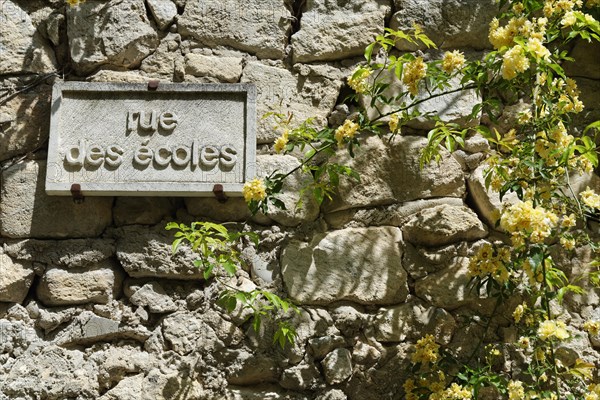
93	305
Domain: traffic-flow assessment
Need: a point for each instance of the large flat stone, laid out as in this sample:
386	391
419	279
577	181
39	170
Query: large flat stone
24	121
15	279
281	90
332	31
98	283
224	69
26	210
390	173
443	224
358	264
115	33
22	47
450	24
259	27
71	253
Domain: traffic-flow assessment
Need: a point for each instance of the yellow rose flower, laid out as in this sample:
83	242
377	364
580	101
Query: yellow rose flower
254	190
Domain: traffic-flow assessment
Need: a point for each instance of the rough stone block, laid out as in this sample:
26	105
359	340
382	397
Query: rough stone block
15	279
142	210
225	69
450	24
24	121
235	209
153	296
411	321
259	27
115	33
26	210
332	31
99	283
69	253
294	214
443	224
163	11
358	264
337	366
586	60
22	47
281	90
487	201
146	252
390	173
449	287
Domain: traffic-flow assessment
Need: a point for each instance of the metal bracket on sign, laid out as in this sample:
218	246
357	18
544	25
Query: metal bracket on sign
219	193
78	197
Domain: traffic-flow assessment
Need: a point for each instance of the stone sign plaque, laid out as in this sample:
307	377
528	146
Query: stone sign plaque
129	139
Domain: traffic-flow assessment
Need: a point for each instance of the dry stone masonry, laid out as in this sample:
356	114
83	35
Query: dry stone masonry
94	304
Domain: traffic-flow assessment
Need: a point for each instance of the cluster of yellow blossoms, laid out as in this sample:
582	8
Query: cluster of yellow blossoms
514	62
345	131
393	124
590	198
522	220
436	387
281	141
552	329
550	146
74	2
452	61
516	391
592	327
486	263
414	71
593	392
254	190
426	350
358	80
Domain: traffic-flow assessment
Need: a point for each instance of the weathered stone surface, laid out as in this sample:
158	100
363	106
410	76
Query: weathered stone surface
62	253
26	210
259	27
411	321
129	388
116	34
293	214
107	75
146	252
442	225
331	31
22	48
332	394
281	90
225	69
394	215
235	209
390	173
450	107
586	60
244	368
95	284
24	121
187	332
337	366
163	11
357	264
88	328
303	376
449	288
142	210
164	62
153	296
450	24
321	346
15	279
487	201
46	371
